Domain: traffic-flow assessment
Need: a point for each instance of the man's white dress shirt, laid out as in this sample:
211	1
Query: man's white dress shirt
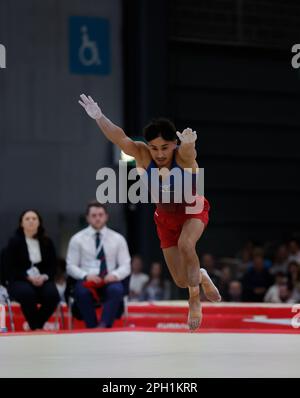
82	253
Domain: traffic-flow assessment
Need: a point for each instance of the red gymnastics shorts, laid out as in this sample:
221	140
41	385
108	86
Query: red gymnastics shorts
169	224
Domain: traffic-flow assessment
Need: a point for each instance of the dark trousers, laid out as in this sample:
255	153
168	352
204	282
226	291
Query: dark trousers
111	297
29	296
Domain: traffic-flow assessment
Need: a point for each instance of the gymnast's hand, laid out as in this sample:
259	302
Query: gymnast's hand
91	107
188	136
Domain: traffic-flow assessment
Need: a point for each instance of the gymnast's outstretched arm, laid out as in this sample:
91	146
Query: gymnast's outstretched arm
113	133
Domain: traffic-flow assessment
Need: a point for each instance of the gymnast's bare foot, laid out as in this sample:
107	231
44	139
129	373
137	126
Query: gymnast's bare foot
209	288
195	313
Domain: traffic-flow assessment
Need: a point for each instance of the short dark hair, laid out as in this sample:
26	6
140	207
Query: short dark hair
160	127
95	203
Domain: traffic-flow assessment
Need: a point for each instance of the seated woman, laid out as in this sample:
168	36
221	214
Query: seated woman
30	267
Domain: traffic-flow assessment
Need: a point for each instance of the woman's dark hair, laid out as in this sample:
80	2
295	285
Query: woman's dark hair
41	230
161	127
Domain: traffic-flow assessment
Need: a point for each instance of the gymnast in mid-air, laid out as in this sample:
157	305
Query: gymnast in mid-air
178	229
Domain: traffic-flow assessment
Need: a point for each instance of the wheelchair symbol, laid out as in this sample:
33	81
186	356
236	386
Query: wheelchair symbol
88	52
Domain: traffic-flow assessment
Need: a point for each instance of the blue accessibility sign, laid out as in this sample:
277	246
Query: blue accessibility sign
89	45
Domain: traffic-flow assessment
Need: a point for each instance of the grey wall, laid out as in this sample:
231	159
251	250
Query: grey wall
50	150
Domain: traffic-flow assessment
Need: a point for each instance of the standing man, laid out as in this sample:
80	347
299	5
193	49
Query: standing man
177	229
98	258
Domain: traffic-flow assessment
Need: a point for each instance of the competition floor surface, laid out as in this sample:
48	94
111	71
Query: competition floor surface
150	355
236	341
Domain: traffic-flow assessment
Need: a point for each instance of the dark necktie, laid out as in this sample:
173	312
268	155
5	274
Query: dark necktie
101	256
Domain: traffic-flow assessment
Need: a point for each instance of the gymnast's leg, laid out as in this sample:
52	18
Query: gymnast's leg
184	266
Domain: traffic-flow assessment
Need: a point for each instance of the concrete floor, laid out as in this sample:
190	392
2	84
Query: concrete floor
145	354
